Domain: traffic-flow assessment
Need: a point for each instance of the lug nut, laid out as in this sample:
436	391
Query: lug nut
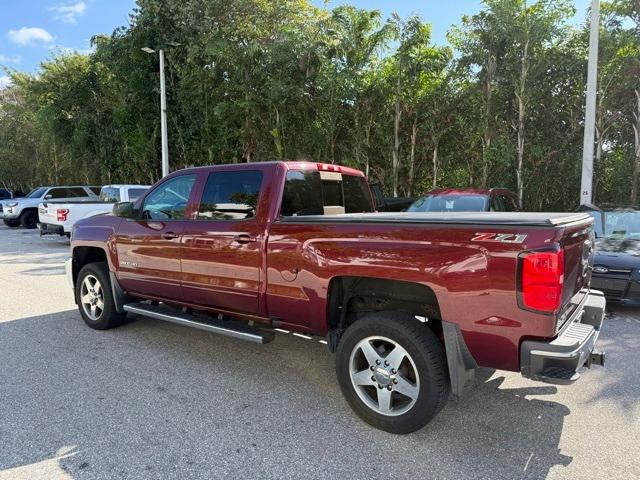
372	368
377	362
373	379
380	386
386	363
393	370
395	380
389	388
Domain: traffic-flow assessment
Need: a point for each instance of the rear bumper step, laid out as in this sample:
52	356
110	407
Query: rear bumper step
229	328
561	360
49	229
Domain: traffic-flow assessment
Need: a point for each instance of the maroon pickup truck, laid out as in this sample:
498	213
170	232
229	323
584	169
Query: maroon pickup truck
412	303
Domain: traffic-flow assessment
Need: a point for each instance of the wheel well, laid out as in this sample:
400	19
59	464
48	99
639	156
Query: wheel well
29	210
83	256
350	298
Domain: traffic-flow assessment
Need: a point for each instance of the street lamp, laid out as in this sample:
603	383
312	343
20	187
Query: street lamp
586	184
163	112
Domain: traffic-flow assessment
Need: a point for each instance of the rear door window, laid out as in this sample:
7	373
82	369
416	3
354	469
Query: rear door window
510	203
57	193
230	195
496	204
76	192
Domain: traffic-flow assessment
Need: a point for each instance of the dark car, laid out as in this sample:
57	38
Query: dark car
467	200
389	204
5	194
616	265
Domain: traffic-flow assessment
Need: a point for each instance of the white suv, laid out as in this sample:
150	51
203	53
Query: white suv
24	211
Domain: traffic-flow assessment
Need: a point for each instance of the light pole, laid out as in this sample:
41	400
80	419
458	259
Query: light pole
163	112
586	185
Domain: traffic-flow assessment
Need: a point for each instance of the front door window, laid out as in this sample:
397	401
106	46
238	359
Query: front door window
169	200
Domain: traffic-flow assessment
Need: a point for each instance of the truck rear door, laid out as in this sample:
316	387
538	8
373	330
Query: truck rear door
222	255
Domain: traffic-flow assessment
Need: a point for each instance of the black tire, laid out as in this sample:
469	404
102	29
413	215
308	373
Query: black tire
107	317
29	219
426	354
11	223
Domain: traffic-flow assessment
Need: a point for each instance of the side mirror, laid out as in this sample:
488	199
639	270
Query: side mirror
124	210
48	196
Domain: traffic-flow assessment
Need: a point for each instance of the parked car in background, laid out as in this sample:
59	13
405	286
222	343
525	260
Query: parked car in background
616	265
411	303
467	200
58	217
5	194
389	204
24	211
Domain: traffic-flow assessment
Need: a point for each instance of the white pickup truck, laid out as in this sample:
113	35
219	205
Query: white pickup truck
58	218
24	211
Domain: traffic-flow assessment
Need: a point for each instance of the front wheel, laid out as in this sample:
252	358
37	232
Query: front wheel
29	219
392	371
11	223
95	298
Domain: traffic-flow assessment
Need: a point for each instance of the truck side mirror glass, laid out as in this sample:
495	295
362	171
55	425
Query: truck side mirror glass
124	210
48	196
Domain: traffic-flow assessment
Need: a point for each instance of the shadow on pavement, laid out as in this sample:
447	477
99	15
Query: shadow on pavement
156	400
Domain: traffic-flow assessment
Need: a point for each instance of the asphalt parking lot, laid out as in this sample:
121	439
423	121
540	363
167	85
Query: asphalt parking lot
155	400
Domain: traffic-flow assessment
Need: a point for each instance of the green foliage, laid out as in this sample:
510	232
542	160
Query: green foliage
252	80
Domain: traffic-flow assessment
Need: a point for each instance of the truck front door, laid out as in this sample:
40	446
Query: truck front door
149	246
222	248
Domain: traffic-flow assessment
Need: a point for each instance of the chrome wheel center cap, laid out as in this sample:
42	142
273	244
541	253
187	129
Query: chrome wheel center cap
382	376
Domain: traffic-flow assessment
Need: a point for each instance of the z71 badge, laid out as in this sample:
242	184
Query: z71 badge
499	237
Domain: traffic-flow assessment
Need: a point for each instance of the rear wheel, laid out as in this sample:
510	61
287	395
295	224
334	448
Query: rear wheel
392	371
95	298
11	223
29	219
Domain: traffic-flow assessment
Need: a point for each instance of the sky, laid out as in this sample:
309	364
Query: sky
33	30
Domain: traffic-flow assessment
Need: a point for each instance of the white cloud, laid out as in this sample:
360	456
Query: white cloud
30	35
69	13
4	82
8	59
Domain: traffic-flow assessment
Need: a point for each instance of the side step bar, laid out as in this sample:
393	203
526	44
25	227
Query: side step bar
230	328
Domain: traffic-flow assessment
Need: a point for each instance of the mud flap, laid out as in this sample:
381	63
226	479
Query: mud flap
119	296
462	366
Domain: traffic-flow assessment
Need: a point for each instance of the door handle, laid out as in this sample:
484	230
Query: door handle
170	235
243	239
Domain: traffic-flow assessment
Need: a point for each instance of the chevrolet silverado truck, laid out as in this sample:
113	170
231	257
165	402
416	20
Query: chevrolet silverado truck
58	217
412	303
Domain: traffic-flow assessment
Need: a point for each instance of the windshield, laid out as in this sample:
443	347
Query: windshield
617	224
36	193
450	203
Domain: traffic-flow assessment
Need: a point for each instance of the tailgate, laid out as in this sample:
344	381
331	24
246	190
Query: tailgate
48	213
577	242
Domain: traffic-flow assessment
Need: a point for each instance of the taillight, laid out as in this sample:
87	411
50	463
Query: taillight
62	214
541	280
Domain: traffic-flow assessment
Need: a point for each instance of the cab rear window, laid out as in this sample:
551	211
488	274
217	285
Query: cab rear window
310	192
